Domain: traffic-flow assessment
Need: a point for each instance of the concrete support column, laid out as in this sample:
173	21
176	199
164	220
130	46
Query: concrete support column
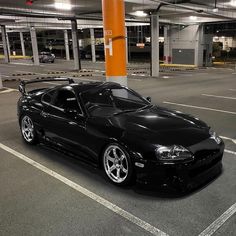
66	45
22	43
77	63
8	44
93	51
155	45
1	86
167	52
34	45
5	44
113	12
126	45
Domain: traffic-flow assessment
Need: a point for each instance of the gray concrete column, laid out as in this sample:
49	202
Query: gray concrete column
126	44
75	43
155	44
22	43
34	45
167	52
93	51
66	45
8	45
4	42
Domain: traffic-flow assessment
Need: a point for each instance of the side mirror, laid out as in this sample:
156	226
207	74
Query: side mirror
149	99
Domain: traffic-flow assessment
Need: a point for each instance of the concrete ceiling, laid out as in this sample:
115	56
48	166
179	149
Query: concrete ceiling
42	13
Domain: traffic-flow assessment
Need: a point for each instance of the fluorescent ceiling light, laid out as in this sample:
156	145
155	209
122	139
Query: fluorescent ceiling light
193	18
140	13
215	10
63	6
233	3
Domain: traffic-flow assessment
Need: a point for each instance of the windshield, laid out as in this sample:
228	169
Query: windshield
112	101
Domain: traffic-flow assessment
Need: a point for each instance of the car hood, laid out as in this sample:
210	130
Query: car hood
162	126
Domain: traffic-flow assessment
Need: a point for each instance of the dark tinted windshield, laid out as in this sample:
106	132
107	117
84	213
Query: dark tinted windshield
112	101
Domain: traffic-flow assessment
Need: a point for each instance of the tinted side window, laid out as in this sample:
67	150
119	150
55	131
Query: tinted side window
125	94
66	100
48	97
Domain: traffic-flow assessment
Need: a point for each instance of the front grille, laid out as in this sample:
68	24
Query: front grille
205	154
204	166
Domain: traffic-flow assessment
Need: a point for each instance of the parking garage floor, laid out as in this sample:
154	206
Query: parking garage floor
44	192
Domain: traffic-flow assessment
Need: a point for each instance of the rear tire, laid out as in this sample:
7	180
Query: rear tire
117	165
28	131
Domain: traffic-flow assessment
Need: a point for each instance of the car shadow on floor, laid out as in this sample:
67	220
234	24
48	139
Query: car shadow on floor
96	175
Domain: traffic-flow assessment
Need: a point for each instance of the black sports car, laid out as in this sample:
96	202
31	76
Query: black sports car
115	128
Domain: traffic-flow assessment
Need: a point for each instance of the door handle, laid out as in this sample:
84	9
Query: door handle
72	123
43	114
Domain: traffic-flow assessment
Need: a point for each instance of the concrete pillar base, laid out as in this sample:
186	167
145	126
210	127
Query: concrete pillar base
117	79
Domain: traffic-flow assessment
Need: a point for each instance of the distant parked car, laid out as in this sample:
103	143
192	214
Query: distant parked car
46	57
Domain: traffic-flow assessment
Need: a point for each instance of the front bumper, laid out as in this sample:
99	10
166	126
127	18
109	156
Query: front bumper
182	176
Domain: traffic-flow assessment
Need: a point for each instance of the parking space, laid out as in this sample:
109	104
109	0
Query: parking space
37	202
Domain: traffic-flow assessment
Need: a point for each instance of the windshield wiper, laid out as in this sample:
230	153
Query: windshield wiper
145	107
133	110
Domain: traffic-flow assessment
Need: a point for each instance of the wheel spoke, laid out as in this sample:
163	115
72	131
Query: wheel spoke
112	168
118	173
109	158
124	170
114	153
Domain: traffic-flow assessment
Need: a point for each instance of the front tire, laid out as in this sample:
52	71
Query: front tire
117	165
28	130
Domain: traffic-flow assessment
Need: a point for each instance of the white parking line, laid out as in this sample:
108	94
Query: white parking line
232	89
231	139
216	96
54	83
8	90
211	229
202	108
89	80
230	152
109	205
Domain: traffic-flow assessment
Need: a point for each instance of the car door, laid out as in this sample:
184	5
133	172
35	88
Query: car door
65	123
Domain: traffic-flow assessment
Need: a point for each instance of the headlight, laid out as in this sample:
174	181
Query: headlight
173	153
215	136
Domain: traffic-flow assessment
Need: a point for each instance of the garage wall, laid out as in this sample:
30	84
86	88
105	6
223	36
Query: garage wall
183	56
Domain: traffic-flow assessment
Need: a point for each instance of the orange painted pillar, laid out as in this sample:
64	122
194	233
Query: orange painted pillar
113	12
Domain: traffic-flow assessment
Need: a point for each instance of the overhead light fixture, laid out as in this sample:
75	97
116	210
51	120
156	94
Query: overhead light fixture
193	17
233	3
63	6
140	13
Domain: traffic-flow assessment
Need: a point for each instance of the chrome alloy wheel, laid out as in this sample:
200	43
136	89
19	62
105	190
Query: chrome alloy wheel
115	164
27	129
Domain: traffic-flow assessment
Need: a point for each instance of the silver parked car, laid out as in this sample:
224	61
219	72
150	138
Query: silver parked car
46	57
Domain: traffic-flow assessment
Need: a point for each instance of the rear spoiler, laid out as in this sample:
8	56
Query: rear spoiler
23	83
